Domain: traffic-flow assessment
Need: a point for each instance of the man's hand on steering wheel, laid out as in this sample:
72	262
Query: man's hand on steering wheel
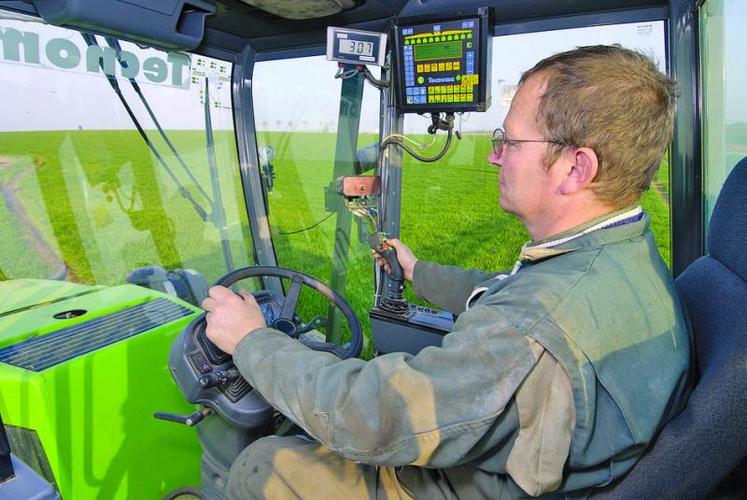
229	318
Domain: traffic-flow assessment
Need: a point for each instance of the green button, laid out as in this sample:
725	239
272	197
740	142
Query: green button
458	77
448	38
421	79
469	45
469	35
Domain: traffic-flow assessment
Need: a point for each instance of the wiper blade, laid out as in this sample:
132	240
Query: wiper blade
91	41
114	43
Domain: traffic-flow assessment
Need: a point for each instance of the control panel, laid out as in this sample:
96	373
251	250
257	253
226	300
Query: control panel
411	330
442	65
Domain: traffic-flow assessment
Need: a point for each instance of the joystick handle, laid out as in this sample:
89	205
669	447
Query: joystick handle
377	241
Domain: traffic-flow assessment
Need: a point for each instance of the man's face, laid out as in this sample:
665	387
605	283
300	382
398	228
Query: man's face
526	185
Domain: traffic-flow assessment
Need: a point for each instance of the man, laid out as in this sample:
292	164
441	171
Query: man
555	377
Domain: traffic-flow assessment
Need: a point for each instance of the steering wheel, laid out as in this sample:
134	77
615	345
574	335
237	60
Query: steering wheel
286	322
206	375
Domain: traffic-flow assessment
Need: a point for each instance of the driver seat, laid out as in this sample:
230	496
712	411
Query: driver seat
696	450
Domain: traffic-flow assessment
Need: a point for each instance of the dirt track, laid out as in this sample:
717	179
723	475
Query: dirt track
33	237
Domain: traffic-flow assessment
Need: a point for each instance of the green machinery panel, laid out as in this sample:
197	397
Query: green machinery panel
82	371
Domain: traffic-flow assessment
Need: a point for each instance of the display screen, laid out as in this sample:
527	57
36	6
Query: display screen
356	47
443	64
431	51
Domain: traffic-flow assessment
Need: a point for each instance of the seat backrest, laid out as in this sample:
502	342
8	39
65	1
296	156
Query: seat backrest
697	449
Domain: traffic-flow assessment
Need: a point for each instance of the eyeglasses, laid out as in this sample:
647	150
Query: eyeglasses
500	139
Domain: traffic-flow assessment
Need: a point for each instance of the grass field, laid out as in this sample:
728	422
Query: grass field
99	204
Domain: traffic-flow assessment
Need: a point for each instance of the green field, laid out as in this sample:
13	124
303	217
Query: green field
99	204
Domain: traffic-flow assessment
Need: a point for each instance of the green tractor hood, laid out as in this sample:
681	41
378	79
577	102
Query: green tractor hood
82	370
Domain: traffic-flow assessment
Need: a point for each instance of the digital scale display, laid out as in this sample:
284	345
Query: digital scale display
443	65
356	46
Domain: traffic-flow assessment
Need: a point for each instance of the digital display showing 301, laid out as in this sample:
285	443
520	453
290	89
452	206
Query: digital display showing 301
356	47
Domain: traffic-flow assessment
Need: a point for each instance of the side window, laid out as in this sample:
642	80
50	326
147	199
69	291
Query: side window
84	198
723	44
301	113
453	203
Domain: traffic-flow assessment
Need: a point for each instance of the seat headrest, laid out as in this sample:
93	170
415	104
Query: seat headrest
727	231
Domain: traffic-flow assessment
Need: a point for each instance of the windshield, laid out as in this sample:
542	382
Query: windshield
114	157
314	125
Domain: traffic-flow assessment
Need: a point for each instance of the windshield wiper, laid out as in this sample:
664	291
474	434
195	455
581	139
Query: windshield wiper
217	214
114	43
91	41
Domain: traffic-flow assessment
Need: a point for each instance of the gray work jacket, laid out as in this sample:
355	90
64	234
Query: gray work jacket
602	304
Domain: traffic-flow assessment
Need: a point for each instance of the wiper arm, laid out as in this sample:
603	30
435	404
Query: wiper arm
91	41
218	214
114	43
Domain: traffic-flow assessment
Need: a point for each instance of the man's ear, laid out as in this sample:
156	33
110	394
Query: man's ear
582	171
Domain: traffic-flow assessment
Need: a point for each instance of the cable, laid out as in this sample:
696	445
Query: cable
379	84
416	143
416	155
384	173
346	74
459	127
282	233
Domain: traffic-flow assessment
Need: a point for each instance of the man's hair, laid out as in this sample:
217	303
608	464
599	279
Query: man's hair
614	101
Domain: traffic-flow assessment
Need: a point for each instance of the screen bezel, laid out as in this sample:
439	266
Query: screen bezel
484	38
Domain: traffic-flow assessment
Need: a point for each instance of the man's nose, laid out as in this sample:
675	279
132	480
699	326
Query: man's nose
494	158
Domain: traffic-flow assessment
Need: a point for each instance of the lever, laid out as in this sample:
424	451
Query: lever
190	420
377	241
218	377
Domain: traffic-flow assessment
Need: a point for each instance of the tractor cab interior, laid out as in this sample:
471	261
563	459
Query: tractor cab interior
151	149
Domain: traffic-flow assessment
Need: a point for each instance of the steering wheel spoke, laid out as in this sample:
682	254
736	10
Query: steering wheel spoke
291	298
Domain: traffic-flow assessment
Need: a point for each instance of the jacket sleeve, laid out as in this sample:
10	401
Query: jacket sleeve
430	409
446	286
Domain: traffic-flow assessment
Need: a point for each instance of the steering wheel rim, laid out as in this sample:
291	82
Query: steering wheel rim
298	279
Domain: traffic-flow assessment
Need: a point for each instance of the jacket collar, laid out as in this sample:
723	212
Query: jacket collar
616	226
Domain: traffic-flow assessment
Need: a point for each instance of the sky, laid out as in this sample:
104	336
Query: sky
297	94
